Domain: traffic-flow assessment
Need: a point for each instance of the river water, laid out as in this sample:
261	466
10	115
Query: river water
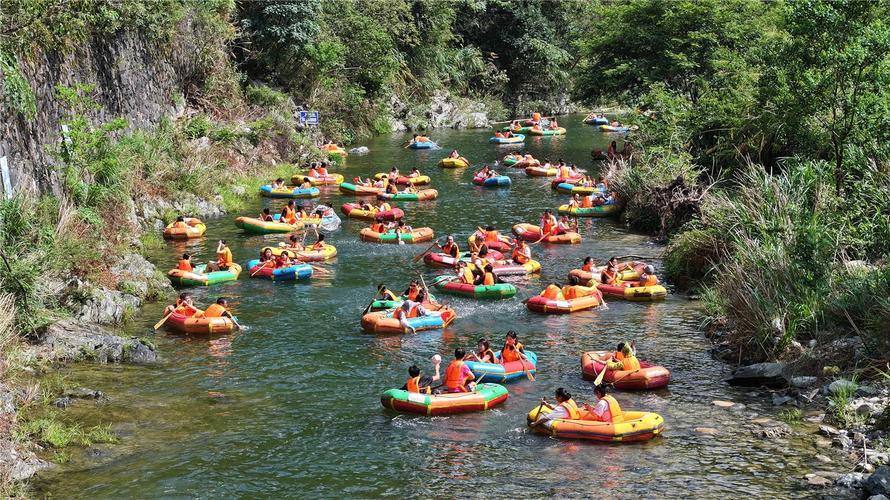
291	406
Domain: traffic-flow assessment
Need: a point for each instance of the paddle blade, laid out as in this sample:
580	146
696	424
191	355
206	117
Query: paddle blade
163	320
599	378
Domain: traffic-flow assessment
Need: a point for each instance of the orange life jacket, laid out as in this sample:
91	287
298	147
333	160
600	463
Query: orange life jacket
413	385
322	172
569	292
180	225
614	409
536	117
650	280
587	201
400	313
587	267
451	249
518	256
378	228
572	409
608	277
552	292
214	311
413	293
184	309
510	352
224	258
618	355
289	216
313	173
488	280
491	236
453	379
184	265
564	172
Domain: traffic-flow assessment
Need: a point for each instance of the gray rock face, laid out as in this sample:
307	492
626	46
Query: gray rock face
804	382
16	464
879	482
71	340
107	307
768	374
851	480
137	274
841	385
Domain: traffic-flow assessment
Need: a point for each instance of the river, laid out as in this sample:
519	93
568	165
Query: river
291	406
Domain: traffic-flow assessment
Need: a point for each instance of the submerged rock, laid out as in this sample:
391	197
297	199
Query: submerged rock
361	150
853	480
879	482
768	374
71	340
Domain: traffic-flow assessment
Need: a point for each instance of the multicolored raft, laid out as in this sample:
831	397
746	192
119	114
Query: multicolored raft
485	397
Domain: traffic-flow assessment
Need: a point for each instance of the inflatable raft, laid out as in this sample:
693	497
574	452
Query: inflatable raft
510	268
517	130
539	171
199	326
568	188
422	145
632	272
547	131
354	210
269	192
497	291
421	195
531	232
417	235
290	273
404	180
334	150
445	260
498	181
611	128
633	426
257	226
586	298
521	162
324	180
453	163
327	252
630	290
597	121
516	139
498	373
565	180
383	321
194	229
350	188
648	377
383	304
485	397
604	210
198	277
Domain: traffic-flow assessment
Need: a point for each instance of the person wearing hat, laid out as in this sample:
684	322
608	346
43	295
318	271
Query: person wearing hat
629	363
450	247
648	278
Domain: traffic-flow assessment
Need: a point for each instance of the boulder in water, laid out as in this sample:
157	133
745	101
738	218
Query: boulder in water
768	374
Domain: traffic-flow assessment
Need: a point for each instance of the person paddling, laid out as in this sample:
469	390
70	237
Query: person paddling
564	409
629	361
606	409
483	353
218	310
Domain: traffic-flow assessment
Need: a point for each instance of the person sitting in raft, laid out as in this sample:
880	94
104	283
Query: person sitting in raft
575	201
391	188
647	277
602	183
378	227
180	223
565	409
266	216
629	361
183	306
492	235
483	353
409	188
553	292
528	157
319	243
288	214
488	277
414	172
513	349
401	229
450	247
498	134
394	173
422	384
293	243
587	201
413	291
313	172
185	263
380	183
458	377
549	224
536	118
407	310
307	183
588	264
218	310
618	355
606	409
522	253
482	173
620	266
223	258
536	128
564	171
464	274
384	207
479	263
278	183
575	171
553	125
267	256
609	276
565	225
385	293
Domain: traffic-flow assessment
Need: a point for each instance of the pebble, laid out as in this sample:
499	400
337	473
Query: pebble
827	430
710	431
817	481
823	459
723	404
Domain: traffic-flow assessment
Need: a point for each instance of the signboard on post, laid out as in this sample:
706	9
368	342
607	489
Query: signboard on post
308	118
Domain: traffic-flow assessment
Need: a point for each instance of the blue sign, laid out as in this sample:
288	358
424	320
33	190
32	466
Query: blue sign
308	117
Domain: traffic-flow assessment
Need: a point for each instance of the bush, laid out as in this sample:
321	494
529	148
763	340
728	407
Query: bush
197	127
265	96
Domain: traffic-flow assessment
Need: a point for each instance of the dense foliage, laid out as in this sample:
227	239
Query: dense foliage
780	111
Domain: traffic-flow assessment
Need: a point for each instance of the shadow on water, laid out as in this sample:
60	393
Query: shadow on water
292	404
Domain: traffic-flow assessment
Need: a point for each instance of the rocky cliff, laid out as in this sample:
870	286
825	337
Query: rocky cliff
135	77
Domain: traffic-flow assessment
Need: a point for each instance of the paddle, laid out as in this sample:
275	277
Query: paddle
418	256
538	412
232	317
163	320
260	268
527	373
542	237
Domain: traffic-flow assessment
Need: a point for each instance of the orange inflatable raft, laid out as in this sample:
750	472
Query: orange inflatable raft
580	298
198	325
531	232
383	321
648	377
194	228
